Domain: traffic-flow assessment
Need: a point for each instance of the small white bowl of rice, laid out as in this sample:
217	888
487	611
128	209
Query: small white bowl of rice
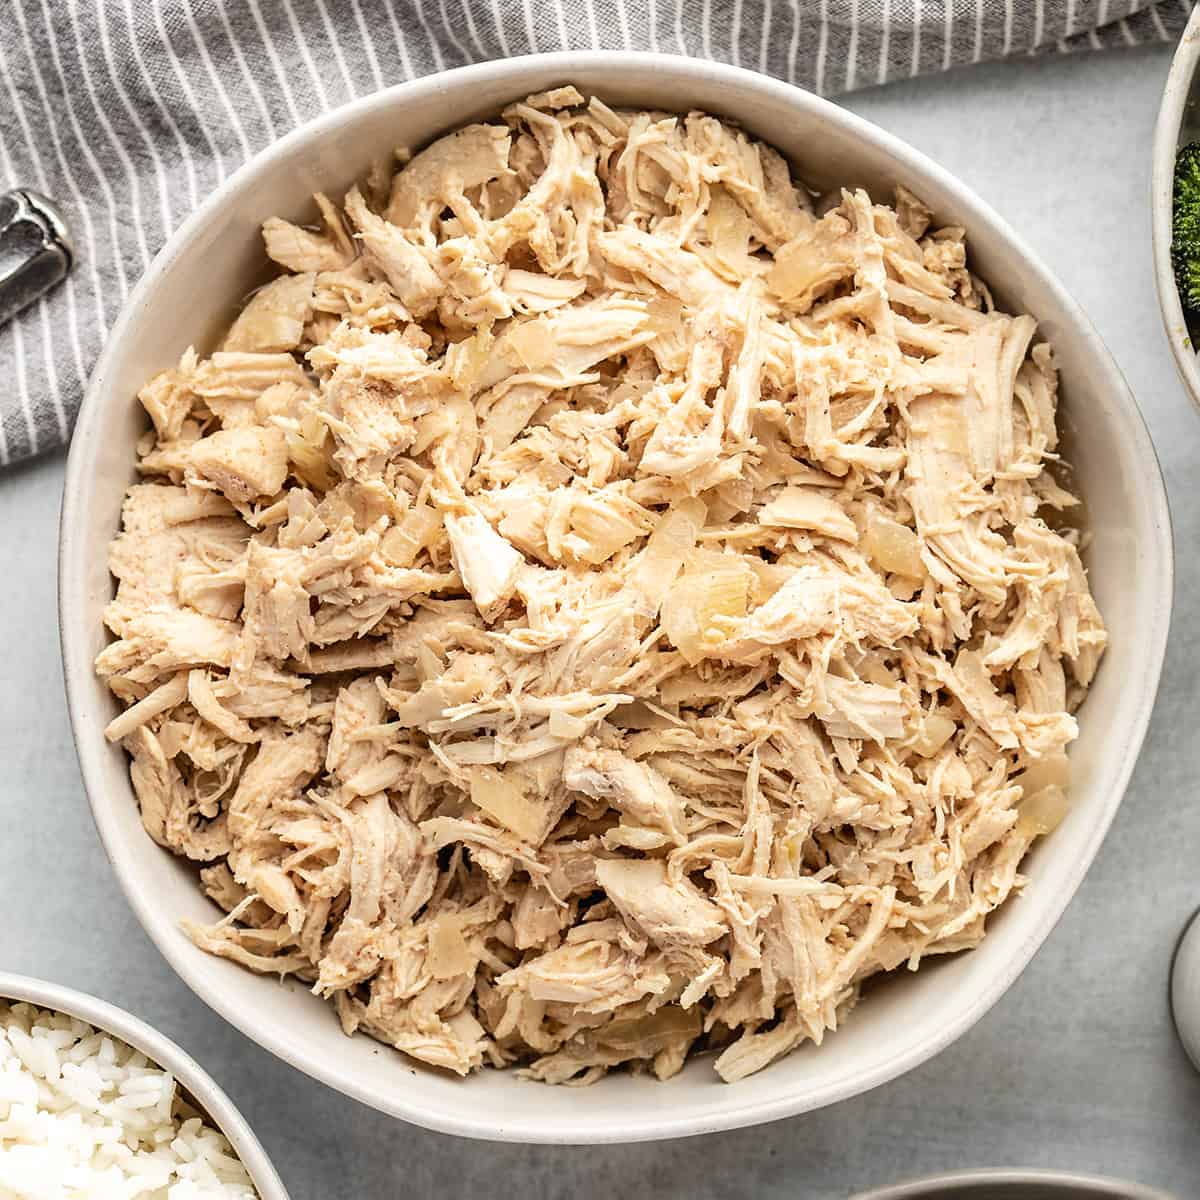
95	1103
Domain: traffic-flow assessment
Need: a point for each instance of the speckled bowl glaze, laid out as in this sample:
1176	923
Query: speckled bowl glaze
194	1080
189	292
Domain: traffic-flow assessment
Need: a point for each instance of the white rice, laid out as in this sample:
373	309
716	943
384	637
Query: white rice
83	1115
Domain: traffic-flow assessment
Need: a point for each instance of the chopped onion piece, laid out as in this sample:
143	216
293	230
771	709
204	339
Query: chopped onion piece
936	730
509	796
893	547
1051	770
713	586
673	539
1043	812
646	1036
410	535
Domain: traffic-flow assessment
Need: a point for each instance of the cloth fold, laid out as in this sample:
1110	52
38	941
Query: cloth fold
128	112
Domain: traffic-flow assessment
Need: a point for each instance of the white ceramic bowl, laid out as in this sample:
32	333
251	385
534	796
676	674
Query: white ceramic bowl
190	291
161	1050
1014	1185
1185	990
1178	124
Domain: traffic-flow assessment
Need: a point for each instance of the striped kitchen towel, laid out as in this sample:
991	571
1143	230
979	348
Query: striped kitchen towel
127	112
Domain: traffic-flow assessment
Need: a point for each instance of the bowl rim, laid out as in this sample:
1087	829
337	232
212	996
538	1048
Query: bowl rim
951	1183
463	1120
1167	129
165	1053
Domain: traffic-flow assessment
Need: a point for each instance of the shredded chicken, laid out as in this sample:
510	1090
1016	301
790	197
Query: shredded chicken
598	606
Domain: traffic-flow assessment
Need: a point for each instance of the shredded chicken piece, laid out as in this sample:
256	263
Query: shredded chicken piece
592	610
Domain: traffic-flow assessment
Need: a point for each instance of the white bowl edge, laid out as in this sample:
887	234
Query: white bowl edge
602	1114
166	1054
1167	129
966	1183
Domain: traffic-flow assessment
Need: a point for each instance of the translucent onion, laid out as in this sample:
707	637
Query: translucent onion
893	547
466	360
410	535
603	525
730	231
1051	770
936	730
505	796
644	1037
531	343
713	591
1043	811
308	450
673	539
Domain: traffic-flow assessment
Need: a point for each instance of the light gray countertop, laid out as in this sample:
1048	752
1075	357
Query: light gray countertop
1076	1068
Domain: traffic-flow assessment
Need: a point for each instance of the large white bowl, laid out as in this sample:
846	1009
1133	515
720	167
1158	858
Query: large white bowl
190	1076
190	291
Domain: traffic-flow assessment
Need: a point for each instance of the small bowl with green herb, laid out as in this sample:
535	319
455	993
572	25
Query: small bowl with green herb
1176	206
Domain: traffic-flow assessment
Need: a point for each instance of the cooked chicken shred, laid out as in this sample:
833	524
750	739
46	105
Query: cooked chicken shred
601	603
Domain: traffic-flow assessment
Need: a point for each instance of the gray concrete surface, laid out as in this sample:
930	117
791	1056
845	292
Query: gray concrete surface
1076	1068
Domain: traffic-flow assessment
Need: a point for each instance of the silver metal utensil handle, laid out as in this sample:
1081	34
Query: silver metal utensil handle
35	251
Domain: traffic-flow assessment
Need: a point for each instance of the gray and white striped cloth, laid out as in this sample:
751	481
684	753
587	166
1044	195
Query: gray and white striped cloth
127	112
